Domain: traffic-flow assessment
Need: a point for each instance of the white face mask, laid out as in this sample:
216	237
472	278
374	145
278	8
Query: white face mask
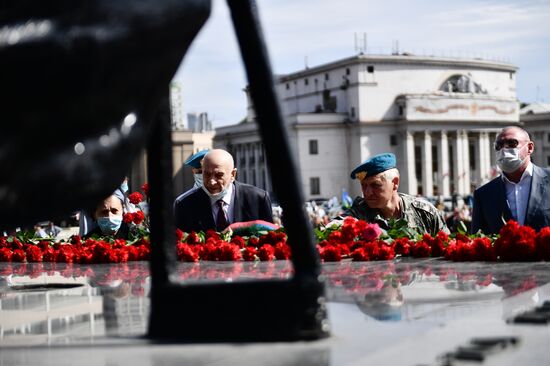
198	180
508	159
214	196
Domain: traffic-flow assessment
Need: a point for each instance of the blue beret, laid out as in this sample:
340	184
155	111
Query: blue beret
377	164
195	159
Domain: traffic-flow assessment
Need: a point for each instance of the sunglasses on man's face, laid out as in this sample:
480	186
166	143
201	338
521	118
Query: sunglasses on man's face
508	143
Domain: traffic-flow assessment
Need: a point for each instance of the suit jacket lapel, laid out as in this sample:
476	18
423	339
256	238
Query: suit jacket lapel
237	203
538	184
206	214
504	208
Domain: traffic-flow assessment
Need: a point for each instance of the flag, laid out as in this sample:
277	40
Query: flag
346	199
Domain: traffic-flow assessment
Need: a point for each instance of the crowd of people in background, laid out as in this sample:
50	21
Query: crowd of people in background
217	199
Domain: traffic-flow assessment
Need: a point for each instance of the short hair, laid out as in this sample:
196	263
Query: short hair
522	130
390	174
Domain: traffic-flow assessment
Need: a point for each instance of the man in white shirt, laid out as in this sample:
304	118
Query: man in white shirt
520	193
221	200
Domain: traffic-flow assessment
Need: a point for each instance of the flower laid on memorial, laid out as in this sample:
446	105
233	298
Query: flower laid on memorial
348	239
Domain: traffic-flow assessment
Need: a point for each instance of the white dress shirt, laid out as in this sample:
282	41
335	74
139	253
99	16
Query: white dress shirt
228	200
517	194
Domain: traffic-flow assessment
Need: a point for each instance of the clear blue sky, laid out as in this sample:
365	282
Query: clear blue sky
517	31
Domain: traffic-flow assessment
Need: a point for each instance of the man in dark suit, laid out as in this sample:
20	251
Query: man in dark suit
221	200
520	193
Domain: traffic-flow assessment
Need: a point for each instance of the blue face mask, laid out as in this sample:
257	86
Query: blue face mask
109	225
198	180
124	187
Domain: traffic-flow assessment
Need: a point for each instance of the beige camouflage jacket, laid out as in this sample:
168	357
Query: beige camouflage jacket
419	214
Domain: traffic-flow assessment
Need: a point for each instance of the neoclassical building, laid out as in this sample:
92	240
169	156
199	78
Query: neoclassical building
439	116
536	120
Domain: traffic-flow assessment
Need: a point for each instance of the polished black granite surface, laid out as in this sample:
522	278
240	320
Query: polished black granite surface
402	312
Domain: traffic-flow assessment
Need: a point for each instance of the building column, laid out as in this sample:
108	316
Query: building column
484	158
411	184
257	164
466	183
459	163
427	169
444	175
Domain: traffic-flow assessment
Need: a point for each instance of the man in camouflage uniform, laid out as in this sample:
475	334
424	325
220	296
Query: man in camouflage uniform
381	202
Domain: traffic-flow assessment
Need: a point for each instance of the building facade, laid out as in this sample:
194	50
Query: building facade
536	120
439	116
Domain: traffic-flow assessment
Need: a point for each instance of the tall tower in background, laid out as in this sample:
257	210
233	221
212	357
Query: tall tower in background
176	106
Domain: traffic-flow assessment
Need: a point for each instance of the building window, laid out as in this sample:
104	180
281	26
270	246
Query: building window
314	185
370	69
393	140
287	86
548	137
472	157
352	112
418	162
306	81
435	159
400	110
326	76
347	71
313	147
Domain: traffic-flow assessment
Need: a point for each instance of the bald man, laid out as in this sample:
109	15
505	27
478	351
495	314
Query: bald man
221	200
520	193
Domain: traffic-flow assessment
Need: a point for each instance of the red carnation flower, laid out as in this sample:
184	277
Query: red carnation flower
253	241
335	237
238	241
33	253
421	250
128	217
186	254
515	243
5	255
179	235
135	197
145	188
282	251
402	246
483	249
385	251
331	253
372	249
230	252
18	255
249	253
542	242
360	255
464	251
139	216
266	253
347	233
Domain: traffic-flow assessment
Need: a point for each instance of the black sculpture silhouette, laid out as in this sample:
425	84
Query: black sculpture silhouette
84	89
81	81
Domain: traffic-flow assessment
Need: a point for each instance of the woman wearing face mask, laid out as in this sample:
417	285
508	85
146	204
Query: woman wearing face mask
521	193
108	217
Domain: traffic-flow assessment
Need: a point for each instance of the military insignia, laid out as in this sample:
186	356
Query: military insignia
361	175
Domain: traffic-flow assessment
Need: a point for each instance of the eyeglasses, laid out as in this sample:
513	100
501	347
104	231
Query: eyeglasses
508	143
